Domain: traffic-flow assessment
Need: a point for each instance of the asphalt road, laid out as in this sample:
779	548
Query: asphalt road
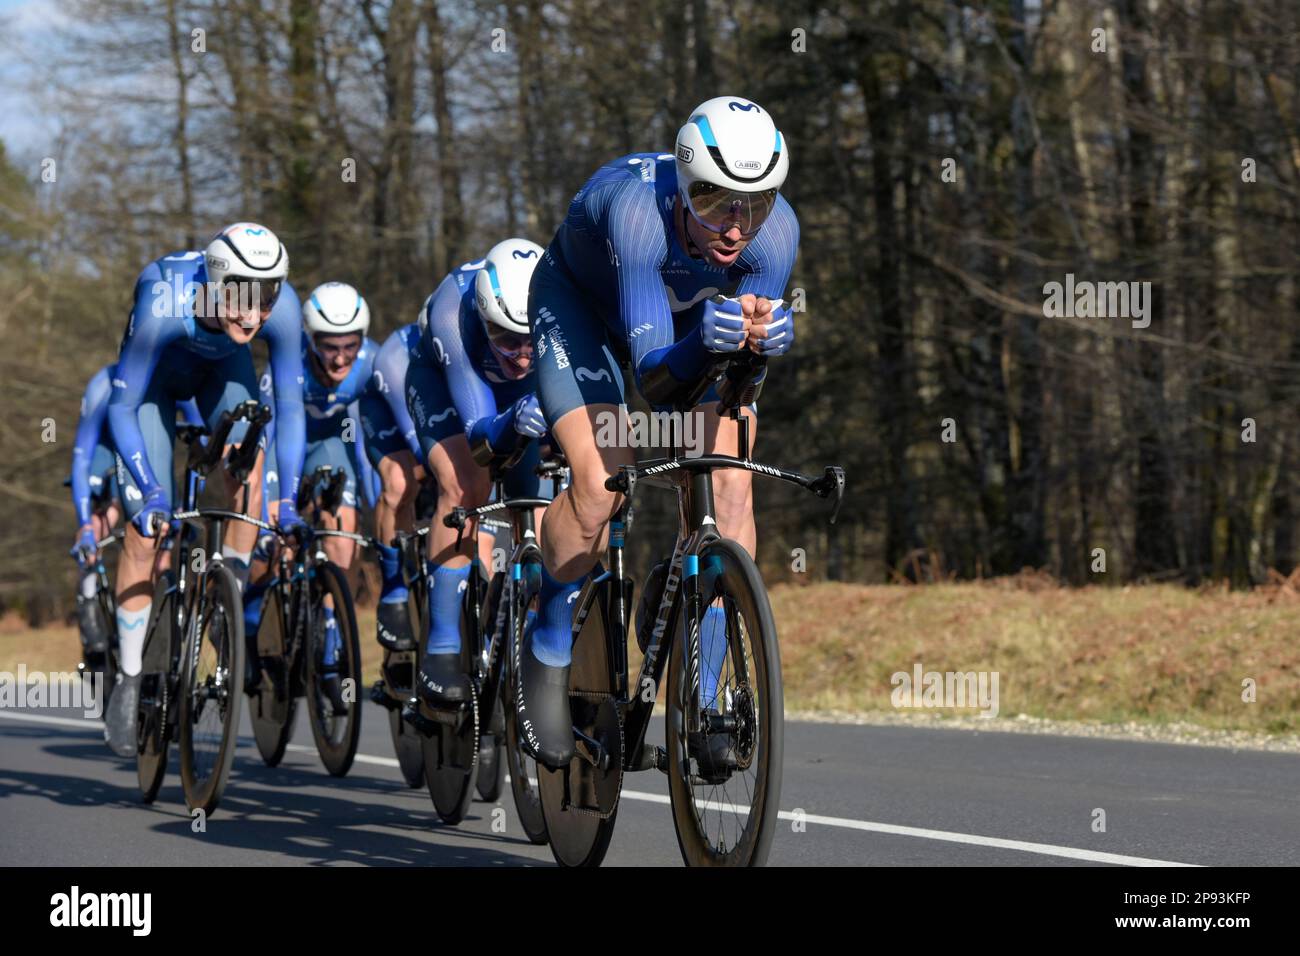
852	795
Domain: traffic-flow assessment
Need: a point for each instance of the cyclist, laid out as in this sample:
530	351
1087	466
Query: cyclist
394	450
194	317
470	391
629	278
338	358
94	499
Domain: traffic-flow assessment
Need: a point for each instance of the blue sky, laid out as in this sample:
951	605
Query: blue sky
24	125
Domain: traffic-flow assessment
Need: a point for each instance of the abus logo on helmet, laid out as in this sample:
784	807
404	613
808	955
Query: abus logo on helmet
747	164
743	107
214	262
685	153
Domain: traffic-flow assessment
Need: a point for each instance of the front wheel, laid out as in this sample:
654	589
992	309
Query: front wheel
212	685
725	739
153	728
335	708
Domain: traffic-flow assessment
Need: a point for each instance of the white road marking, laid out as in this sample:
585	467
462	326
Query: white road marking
80	723
948	836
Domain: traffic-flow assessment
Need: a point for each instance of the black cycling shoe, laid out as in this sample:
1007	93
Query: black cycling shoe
120	716
712	753
394	625
332	686
91	624
542	705
443	685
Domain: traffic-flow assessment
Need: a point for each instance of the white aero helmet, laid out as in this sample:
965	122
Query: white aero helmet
334	308
247	252
731	160
501	287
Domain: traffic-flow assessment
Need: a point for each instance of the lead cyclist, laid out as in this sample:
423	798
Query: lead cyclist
630	278
194	317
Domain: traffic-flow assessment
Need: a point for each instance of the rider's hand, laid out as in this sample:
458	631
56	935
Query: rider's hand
529	420
84	549
772	332
154	513
724	326
287	519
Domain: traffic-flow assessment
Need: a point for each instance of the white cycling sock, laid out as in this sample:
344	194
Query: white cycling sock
238	562
131	626
89	584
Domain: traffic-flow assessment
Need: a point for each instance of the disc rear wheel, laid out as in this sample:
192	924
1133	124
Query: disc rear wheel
336	733
580	801
272	709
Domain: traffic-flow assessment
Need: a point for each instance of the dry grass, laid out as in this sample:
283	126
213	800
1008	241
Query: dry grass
1157	653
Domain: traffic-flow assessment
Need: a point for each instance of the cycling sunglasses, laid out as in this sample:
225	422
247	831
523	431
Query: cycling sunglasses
510	344
265	290
718	208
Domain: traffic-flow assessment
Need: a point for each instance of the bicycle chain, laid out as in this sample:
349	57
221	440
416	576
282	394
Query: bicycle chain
599	697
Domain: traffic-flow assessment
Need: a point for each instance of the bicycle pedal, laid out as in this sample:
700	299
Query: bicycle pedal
455	719
379	695
411	714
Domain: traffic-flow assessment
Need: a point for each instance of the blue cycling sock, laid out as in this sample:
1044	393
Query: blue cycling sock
445	586
713	651
393	589
253	606
552	641
333	639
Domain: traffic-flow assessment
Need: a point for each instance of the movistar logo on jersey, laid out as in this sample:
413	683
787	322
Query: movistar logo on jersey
743	107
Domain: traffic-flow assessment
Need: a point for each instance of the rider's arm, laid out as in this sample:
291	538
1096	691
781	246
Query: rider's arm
284	335
145	340
366	478
490	434
670	371
94	409
266	395
494	435
769	258
389	379
664	368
